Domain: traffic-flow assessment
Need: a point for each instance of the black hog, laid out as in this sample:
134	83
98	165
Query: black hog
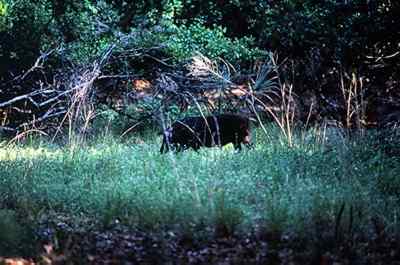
217	130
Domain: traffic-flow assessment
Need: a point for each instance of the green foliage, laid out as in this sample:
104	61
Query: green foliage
90	30
230	29
340	29
109	121
280	187
83	29
186	40
19	20
3	14
180	41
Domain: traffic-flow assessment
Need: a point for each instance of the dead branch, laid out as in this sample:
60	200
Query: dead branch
48	115
22	97
38	63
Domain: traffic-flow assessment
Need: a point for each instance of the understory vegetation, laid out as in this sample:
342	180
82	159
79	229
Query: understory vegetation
343	190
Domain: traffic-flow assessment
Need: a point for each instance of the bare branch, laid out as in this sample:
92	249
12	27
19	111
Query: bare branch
46	116
26	96
39	63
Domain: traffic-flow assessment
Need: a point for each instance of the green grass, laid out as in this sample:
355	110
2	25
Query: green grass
275	186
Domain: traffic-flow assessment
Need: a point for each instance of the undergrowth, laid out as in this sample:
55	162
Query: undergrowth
274	186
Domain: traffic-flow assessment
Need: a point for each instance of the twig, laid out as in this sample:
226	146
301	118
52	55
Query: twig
44	117
39	63
158	60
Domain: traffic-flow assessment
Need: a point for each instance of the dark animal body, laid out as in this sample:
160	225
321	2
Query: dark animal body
216	130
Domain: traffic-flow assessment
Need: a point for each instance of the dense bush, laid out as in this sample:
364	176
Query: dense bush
323	40
183	41
19	20
229	29
85	28
292	27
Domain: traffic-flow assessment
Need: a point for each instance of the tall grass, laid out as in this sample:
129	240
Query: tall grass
273	185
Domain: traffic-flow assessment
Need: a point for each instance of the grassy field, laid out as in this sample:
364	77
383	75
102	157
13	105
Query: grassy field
346	185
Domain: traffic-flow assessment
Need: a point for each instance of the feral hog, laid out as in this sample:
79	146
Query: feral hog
217	130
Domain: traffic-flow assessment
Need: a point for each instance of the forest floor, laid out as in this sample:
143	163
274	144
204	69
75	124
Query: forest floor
122	245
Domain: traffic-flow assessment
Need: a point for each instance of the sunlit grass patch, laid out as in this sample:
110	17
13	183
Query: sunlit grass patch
18	152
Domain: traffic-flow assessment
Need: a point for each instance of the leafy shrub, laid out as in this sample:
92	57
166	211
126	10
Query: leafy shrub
18	20
181	41
91	29
212	42
81	28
